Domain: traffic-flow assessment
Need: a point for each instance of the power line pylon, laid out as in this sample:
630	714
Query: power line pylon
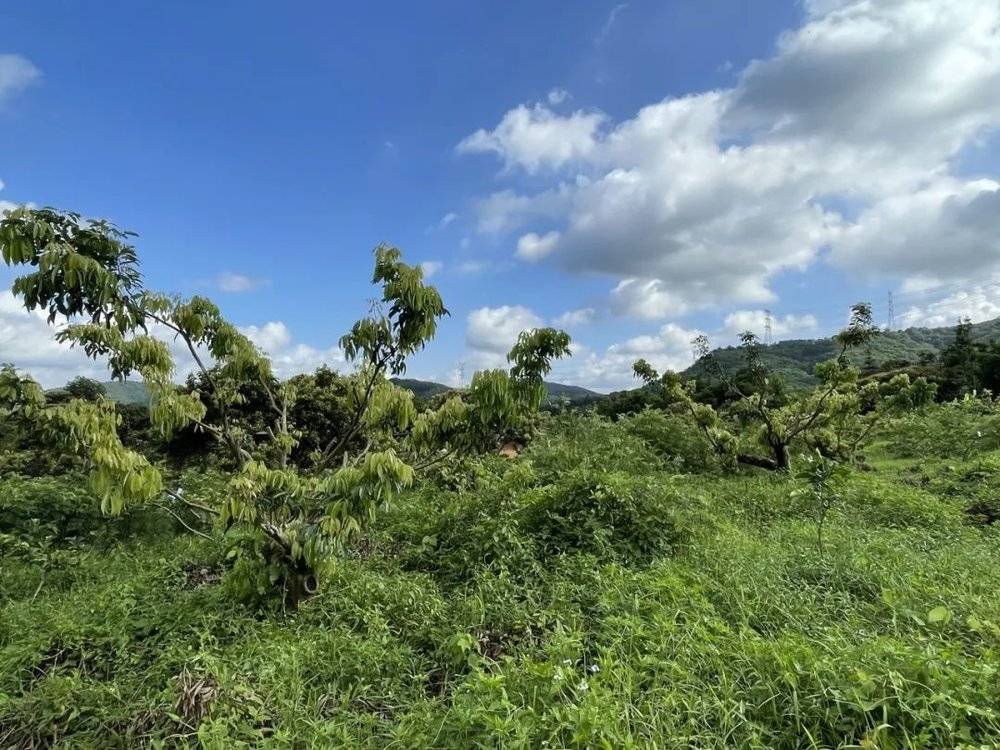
768	329
891	317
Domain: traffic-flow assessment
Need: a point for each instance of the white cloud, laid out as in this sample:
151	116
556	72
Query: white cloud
668	349
701	200
533	247
491	332
557	96
946	230
27	341
756	320
535	138
16	73
431	267
505	210
447	219
978	304
287	357
235	283
574	318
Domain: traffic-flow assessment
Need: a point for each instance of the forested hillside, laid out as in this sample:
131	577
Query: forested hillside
796	359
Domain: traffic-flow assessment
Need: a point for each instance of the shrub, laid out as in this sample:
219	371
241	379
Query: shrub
674	439
958	429
610	514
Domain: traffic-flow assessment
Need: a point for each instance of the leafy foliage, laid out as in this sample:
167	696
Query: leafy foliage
530	610
835	419
87	271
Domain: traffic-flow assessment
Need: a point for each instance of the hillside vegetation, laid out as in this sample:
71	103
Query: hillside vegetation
603	590
132	392
796	359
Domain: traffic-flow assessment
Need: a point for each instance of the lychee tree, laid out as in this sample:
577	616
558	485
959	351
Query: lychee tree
85	275
834	418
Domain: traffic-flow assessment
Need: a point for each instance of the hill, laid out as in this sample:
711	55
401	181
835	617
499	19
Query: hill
423	389
796	359
129	392
428	389
134	392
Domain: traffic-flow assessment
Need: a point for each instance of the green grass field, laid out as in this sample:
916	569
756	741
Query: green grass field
597	592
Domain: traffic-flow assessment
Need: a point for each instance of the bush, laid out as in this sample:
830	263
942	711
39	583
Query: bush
674	439
959	429
587	441
609	514
61	511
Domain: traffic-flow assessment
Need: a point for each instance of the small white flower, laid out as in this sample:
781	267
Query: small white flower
583	686
594	668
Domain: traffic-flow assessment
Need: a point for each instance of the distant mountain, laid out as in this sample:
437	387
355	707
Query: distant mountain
796	359
428	389
135	392
423	389
129	392
572	393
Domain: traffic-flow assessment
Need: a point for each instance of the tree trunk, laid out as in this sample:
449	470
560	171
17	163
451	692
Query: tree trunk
782	456
299	585
761	462
781	460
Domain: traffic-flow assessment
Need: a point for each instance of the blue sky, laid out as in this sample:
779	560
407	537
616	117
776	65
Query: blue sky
262	152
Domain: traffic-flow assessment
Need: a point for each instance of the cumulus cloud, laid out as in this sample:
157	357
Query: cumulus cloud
27	341
575	318
431	267
534	247
16	73
491	332
948	230
781	327
702	199
287	357
668	349
534	137
978	304
235	283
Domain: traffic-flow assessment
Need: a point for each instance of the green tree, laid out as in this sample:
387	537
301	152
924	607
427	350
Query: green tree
960	361
839	406
295	520
85	388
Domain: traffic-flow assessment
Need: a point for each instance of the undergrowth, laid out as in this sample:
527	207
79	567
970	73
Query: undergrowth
608	588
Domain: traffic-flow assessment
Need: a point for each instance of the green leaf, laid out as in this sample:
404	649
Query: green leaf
939	614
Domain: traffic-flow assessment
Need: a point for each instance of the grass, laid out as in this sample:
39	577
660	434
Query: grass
586	595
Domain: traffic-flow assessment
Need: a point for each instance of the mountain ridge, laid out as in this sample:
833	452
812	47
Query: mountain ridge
135	392
796	359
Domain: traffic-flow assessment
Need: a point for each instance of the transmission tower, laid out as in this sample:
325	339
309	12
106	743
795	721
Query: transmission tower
768	329
461	373
891	317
